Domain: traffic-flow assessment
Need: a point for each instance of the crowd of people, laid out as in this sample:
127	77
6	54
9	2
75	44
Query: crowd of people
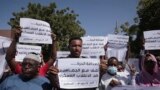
33	74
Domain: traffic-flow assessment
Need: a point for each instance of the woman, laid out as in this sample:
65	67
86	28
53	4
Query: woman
149	76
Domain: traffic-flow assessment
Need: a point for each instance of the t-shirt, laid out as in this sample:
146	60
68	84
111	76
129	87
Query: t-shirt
42	71
16	83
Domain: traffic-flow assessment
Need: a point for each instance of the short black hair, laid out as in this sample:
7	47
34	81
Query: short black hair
112	58
74	38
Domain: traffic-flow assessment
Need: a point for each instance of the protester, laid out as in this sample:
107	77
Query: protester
149	75
111	78
75	48
11	53
103	65
29	78
121	67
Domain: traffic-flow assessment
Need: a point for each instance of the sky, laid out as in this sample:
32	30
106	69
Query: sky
97	17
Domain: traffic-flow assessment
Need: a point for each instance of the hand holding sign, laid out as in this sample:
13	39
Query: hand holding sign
53	70
106	47
17	33
53	36
103	64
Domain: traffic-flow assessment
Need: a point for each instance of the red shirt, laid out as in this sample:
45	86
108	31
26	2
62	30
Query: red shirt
42	71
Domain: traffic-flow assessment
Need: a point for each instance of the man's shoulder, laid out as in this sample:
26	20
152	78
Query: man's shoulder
12	78
44	82
42	78
15	76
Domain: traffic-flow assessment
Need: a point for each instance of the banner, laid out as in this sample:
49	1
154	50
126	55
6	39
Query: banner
35	31
76	73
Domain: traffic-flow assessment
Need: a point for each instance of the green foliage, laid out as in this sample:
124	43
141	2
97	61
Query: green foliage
131	31
63	22
127	29
149	16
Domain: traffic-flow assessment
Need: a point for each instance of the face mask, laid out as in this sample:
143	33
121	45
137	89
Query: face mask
112	70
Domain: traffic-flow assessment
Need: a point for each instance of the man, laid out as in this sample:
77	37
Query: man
11	52
29	78
75	48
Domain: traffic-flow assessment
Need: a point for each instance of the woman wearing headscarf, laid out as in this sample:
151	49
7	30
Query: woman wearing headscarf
149	75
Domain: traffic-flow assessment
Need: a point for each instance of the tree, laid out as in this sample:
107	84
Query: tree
63	22
149	16
131	31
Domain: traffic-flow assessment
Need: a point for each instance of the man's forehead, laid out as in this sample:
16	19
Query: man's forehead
29	60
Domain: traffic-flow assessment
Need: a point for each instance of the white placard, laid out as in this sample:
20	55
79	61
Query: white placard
23	50
2	64
117	46
117	41
35	31
152	39
120	54
33	39
61	54
4	44
93	46
76	73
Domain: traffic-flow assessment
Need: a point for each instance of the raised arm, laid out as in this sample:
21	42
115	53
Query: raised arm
11	51
53	54
105	50
103	65
127	52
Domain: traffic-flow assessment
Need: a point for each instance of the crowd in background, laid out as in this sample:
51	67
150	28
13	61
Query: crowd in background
33	74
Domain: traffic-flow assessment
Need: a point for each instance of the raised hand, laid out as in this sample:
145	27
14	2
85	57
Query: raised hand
17	32
53	70
103	64
53	36
132	69
106	47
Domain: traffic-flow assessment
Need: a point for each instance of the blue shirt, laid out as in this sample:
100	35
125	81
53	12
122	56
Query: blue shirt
16	83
